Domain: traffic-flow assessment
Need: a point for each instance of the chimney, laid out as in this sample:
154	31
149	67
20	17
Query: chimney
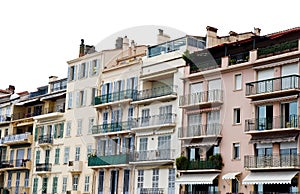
119	43
257	31
52	78
133	47
232	33
211	36
11	88
81	48
125	43
161	37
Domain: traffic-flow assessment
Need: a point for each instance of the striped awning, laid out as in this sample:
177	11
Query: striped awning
280	177
230	175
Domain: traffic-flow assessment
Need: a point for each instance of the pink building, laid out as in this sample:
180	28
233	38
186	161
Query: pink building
240	117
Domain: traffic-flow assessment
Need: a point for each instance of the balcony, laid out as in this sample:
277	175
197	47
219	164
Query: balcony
75	167
214	162
280	123
277	49
45	140
200	131
159	156
113	127
151	191
272	162
5	118
43	168
239	58
23	115
275	87
204	99
205	65
108	160
18	139
19	164
163	93
156	121
116	97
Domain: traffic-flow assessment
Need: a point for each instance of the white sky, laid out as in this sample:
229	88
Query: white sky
38	37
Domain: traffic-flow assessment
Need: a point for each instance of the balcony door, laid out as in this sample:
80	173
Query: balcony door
213	123
288	81
116	120
47	156
165	114
114	181
196	93
214	90
143	149
164	145
289	113
194	125
20	157
265	117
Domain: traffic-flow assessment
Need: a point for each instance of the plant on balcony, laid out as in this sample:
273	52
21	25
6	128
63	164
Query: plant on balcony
216	160
182	163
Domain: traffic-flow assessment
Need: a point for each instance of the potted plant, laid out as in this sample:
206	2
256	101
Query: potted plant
182	163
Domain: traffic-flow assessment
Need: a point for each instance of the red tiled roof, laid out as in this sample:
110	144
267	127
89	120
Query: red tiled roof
281	33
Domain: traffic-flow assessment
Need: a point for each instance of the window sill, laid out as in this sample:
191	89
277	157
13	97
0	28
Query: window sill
237	124
238	90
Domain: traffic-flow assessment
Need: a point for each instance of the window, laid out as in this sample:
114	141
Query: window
155	178
89	149
66	156
26	181
238	82
75	182
70	100
213	123
82	72
79	127
68	131
237	116
140	181
145	117
54	185
94	67
143	148
165	114
80	98
64	184
236	151
72	73
87	184
18	180
91	123
196	93
164	144
44	185
57	152
77	153
171	181
93	95
35	185
234	186
29	153
9	179
126	181
214	90
101	182
37	157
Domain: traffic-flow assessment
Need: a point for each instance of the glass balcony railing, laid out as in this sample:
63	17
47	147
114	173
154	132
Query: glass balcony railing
280	122
273	85
213	129
113	127
116	96
272	161
210	96
23	137
108	160
43	167
155	120
156	92
205	65
153	155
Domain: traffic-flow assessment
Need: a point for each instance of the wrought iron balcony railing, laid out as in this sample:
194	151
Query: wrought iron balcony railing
113	127
280	122
213	129
284	83
151	191
154	120
210	96
156	92
22	115
13	163
153	155
45	139
116	96
43	167
275	161
239	58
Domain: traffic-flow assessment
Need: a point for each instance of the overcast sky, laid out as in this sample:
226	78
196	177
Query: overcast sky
39	37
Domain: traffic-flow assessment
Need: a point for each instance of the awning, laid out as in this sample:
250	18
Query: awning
284	177
276	64
274	138
53	96
196	179
273	100
230	175
5	104
26	102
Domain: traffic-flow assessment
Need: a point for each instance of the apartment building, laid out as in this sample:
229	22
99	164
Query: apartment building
158	115
240	117
115	140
